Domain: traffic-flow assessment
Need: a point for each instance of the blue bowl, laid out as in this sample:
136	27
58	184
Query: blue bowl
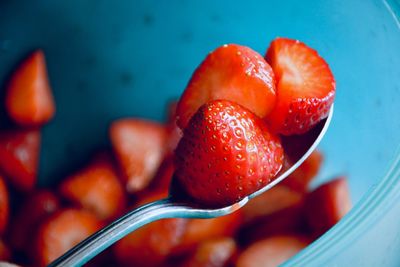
109	60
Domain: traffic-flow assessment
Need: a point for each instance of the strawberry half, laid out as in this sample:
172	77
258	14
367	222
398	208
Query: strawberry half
305	87
139	146
226	153
96	188
19	157
29	100
232	72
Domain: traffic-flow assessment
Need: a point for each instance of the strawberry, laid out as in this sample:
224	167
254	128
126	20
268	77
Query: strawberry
163	177
151	244
276	199
215	252
63	230
199	230
174	133
305	87
231	72
226	153
96	188
4	206
19	155
29	100
139	148
272	251
300	179
327	204
35	208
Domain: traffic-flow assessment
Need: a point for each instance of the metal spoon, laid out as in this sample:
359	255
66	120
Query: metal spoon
178	207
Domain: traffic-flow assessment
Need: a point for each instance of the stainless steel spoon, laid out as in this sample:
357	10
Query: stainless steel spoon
178	207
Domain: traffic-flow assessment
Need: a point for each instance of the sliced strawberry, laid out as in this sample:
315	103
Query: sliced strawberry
5	253
62	231
36	208
29	100
199	230
163	177
151	244
96	188
226	153
19	156
274	200
4	206
300	179
139	148
327	204
305	86
215	252
231	72
272	251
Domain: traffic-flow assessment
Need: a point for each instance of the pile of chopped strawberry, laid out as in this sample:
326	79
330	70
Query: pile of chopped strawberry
223	140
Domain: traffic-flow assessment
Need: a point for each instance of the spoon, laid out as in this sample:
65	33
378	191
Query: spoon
176	206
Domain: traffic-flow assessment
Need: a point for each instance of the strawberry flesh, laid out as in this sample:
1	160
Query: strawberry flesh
305	87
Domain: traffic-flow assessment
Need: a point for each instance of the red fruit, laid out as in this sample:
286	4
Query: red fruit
5	253
276	199
174	133
327	204
305	86
139	148
4	206
300	179
226	153
35	208
19	156
272	251
231	72
215	252
62	231
96	188
163	177
29	100
199	230
151	244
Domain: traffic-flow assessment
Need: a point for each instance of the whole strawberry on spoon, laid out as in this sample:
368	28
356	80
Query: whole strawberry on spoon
241	115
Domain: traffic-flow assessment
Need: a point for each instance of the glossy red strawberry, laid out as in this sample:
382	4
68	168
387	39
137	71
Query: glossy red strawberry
29	99
226	153
231	72
19	157
305	86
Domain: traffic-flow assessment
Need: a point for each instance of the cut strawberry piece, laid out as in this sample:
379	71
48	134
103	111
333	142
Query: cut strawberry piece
29	100
96	188
19	156
36	208
226	153
300	179
62	231
163	177
274	200
4	206
305	86
327	204
5	252
199	230
139	148
151	244
231	72
272	251
215	252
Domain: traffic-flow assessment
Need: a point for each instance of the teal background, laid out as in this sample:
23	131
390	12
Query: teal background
109	59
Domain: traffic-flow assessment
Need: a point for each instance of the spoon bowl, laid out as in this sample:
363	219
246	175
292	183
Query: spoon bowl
177	206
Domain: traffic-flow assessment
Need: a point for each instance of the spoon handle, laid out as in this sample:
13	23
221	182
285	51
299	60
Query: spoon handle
99	241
